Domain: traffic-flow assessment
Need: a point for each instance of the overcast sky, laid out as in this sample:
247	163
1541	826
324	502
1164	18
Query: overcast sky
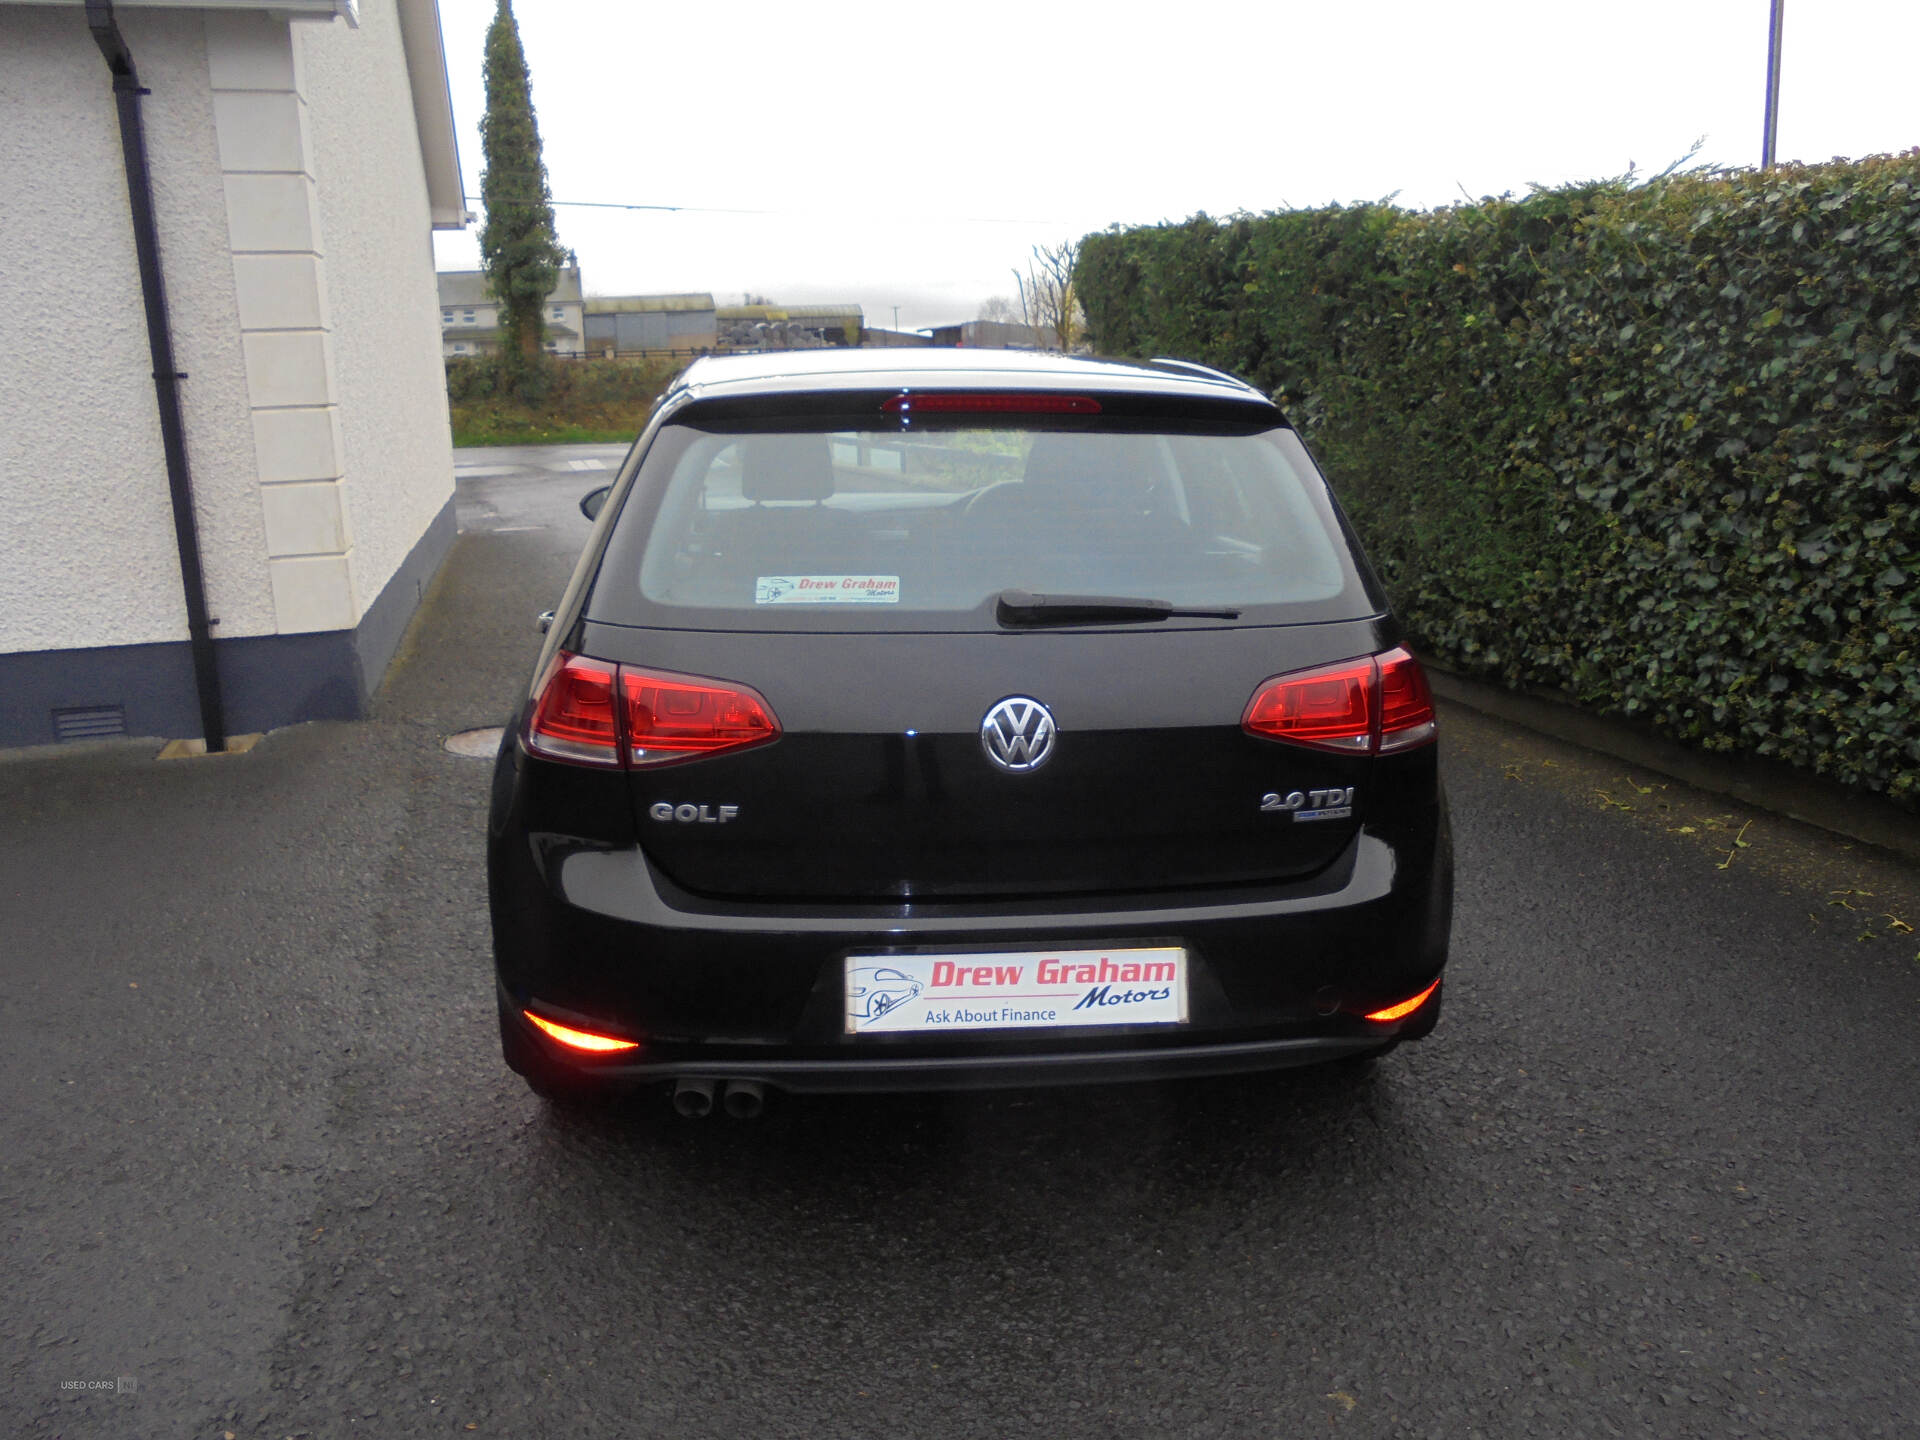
910	155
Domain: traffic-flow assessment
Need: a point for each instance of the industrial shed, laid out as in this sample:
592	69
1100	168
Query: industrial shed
789	327
990	335
629	324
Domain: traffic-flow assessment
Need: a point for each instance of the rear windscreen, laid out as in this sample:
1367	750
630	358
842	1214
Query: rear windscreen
885	529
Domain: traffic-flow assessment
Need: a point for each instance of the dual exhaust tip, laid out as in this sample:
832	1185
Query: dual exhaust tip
741	1099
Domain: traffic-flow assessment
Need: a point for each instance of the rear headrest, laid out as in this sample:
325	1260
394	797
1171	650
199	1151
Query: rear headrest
786	467
1103	469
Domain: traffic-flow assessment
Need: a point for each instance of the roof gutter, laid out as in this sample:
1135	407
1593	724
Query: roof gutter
166	379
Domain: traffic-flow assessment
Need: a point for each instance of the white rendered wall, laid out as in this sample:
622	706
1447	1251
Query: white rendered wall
306	321
389	373
87	553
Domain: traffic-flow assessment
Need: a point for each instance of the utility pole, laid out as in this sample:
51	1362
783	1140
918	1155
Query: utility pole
896	309
1767	144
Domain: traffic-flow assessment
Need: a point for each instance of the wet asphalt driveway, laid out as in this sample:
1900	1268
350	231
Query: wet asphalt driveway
1654	1175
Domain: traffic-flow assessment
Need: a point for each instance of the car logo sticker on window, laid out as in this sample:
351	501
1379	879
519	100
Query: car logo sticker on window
1018	733
826	590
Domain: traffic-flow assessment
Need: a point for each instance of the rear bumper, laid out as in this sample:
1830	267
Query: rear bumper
1007	1069
594	937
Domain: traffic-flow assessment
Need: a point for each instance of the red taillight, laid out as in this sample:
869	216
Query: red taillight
1406	703
675	717
958	403
574	716
1331	708
1358	707
660	717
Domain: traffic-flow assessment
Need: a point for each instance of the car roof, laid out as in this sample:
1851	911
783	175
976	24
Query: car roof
796	371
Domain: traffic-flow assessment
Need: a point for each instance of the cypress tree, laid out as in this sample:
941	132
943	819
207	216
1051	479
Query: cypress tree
517	245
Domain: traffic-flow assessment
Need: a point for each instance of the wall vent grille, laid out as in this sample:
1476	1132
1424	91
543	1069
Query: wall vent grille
89	722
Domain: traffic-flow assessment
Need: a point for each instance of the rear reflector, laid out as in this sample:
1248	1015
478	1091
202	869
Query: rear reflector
1370	706
660	717
581	1039
675	717
1405	1007
956	403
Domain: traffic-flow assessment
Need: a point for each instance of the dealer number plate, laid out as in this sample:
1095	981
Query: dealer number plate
1021	990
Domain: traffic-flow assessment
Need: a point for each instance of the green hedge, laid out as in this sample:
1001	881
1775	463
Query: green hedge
1657	447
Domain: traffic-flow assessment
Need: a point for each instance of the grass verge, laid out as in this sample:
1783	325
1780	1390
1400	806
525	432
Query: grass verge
575	402
493	430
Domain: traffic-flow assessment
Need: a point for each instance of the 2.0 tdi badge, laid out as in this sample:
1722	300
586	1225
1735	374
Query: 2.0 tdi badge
1334	804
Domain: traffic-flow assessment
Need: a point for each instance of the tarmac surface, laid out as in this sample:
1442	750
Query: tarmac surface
263	1174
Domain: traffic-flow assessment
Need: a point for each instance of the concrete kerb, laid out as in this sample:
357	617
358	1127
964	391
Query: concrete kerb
1758	781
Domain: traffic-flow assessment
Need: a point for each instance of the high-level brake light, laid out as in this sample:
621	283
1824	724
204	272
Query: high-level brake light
581	1039
1371	706
590	712
987	403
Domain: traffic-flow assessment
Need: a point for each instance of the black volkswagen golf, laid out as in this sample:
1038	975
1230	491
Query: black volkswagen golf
952	718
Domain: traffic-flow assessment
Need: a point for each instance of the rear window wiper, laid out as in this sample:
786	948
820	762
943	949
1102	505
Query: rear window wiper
1023	609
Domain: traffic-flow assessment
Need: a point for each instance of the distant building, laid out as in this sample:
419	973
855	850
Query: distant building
894	339
470	316
789	327
678	325
643	324
989	335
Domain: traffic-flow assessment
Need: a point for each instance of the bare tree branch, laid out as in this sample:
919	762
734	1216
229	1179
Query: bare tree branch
1047	302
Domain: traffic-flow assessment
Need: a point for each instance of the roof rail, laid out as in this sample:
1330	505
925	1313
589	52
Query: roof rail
1193	367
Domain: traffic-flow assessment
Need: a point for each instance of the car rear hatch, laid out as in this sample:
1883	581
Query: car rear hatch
870	579
881	786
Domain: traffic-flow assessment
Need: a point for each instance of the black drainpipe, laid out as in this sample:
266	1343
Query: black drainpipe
166	380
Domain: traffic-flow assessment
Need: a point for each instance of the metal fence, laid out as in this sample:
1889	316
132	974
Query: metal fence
602	353
653	353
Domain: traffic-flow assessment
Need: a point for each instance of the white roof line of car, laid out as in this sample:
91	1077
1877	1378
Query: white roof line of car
1172	377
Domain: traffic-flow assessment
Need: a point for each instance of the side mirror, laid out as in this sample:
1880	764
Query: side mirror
544	621
594	501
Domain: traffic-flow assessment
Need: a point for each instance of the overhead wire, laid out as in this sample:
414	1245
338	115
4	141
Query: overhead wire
740	210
